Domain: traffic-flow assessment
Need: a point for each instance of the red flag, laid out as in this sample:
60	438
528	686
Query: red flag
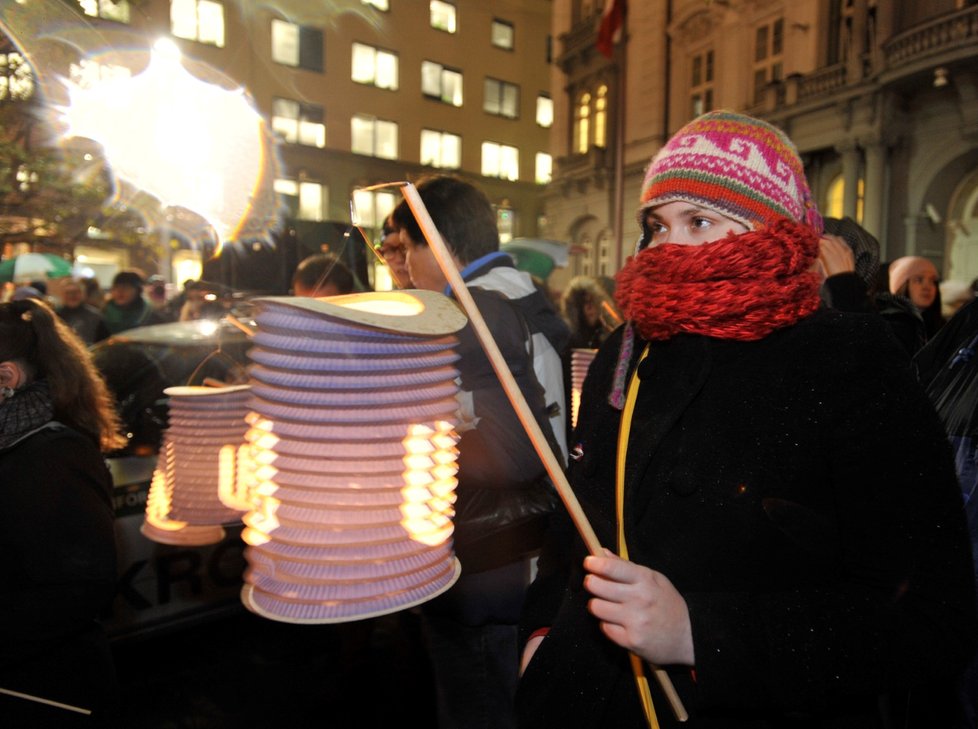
612	20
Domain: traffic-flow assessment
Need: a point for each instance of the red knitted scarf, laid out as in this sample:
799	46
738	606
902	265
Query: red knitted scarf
741	287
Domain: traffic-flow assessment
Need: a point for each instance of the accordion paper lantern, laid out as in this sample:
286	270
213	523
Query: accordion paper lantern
352	449
198	456
580	362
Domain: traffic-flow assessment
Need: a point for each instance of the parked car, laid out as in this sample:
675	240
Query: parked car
162	587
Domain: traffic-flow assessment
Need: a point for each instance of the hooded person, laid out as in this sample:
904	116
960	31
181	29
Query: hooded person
126	308
786	550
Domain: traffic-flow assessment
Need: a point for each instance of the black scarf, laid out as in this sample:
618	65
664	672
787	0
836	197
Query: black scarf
25	411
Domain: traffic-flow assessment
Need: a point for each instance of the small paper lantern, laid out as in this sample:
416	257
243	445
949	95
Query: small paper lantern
198	457
580	362
352	448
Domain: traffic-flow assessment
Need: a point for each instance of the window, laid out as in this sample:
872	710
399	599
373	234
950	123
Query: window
373	206
601	117
373	137
701	84
117	10
768	50
87	74
501	98
438	82
442	16
379	4
544	171
198	20
300	123
835	199
374	67
503	34
582	123
16	77
441	149
500	160
545	111
298	46
304	199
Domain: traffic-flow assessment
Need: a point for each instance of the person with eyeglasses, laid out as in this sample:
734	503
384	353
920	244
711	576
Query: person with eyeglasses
394	252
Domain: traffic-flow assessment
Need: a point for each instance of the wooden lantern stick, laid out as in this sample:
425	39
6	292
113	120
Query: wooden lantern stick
539	441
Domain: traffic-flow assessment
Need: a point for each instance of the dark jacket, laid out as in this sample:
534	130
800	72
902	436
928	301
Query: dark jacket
86	321
799	493
57	574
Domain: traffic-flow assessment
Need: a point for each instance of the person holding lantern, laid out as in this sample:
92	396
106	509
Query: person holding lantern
786	548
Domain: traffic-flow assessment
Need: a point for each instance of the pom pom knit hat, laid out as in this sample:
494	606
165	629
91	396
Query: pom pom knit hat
739	166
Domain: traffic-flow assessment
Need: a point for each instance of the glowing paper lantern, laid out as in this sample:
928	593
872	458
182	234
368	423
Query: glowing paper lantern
198	458
352	444
580	362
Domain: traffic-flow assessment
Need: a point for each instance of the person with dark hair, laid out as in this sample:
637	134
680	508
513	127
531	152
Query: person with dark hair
916	278
392	250
86	321
790	544
589	311
322	274
126	307
504	496
59	567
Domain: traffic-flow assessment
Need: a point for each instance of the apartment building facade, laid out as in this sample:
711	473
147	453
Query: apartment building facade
361	93
880	96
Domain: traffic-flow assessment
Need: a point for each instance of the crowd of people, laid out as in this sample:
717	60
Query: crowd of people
784	538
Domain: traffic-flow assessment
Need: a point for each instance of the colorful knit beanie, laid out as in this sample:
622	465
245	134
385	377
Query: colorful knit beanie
904	269
739	166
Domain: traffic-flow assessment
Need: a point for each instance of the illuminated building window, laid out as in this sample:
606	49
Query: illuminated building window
768	56
374	67
373	206
443	16
500	160
544	168
379	4
117	10
582	123
501	98
298	46
198	20
604	254
505	223
503	34
601	117
441	149
835	199
701	84
545	111
299	123
305	200
438	82
16	77
87	74
374	137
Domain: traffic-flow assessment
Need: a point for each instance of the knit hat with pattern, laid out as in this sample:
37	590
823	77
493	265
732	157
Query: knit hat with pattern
739	166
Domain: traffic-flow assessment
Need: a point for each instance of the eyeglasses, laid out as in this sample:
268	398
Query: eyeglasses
395	250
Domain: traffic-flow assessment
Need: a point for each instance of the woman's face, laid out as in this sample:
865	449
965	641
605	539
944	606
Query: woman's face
688	224
922	289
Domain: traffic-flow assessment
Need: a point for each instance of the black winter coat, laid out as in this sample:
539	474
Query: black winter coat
799	493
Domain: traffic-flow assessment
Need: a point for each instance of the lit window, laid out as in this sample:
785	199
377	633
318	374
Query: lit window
87	73
441	149
582	123
438	82
500	160
545	111
371	207
379	4
298	46
373	137
117	10
198	20
299	123
601	117
544	168
505	223
501	98
16	77
374	67
442	16
503	34
305	200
